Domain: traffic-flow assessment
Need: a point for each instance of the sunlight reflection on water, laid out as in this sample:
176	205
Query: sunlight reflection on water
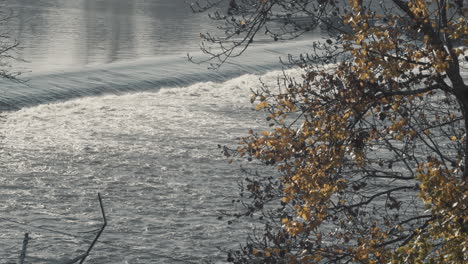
153	157
56	34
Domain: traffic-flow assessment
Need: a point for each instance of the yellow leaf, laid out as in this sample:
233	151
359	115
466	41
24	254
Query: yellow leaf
262	105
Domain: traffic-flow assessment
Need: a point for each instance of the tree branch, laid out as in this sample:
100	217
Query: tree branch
99	233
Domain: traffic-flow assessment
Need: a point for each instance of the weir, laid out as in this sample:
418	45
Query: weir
138	76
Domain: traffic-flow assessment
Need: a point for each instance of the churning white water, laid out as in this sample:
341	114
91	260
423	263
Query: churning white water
152	155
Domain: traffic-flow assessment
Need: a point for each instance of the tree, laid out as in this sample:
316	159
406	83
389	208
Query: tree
370	147
7	48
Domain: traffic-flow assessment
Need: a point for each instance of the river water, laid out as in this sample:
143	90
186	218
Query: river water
112	106
72	33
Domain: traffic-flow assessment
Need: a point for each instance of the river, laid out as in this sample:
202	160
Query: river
113	106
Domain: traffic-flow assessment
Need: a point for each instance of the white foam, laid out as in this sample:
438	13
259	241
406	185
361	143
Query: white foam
152	155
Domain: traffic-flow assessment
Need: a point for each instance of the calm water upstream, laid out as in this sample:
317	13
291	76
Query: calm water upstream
58	34
112	106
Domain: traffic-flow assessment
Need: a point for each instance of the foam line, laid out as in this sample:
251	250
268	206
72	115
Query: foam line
137	76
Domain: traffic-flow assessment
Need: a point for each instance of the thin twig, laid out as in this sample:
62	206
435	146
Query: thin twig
99	233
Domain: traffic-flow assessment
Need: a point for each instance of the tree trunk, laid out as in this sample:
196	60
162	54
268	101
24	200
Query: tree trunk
461	92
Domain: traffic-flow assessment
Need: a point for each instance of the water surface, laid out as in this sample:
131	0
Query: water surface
58	34
112	106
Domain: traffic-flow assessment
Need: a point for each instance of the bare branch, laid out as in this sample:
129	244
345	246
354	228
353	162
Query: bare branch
100	231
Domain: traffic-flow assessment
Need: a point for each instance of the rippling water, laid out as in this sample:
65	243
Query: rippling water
154	158
112	106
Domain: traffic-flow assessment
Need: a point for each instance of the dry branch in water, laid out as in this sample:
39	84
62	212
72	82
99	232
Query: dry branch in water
23	250
100	231
81	259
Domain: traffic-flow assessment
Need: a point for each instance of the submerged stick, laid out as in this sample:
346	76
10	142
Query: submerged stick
73	261
83	257
23	250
